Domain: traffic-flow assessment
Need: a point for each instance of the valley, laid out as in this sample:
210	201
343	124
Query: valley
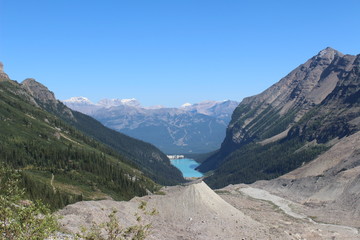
288	166
179	120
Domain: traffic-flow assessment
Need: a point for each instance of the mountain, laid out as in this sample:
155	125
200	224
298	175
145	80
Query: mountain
61	163
148	158
58	163
290	123
87	107
193	128
107	103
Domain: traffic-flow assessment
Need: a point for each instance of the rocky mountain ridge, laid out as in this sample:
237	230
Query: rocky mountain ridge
194	128
291	122
306	86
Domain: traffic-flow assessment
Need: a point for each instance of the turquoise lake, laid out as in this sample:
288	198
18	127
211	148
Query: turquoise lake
187	167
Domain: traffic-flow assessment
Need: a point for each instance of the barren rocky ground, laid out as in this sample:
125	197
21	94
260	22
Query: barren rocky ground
197	212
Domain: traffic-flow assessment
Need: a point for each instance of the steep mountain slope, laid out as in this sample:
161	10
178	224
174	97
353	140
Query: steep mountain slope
193	128
60	164
290	123
145	156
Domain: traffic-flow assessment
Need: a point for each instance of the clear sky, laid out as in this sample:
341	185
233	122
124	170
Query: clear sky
168	52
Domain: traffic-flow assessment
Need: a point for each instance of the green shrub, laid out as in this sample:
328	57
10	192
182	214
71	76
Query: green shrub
21	219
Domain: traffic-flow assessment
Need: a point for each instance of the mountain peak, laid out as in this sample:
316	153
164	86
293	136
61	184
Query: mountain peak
3	75
329	53
80	100
186	105
38	90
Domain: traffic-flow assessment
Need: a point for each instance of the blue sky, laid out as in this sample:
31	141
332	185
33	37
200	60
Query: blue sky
168	52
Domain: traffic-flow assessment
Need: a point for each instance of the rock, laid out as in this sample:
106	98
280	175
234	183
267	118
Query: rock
3	75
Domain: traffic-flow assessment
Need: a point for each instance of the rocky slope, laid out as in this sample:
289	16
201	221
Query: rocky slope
328	185
192	128
196	212
290	123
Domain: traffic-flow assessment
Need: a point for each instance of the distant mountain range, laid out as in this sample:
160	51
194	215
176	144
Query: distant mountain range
191	128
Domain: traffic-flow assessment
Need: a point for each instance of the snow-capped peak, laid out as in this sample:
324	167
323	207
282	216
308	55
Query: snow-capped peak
78	100
186	105
128	101
117	102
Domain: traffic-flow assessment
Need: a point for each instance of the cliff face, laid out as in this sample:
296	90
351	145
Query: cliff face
319	100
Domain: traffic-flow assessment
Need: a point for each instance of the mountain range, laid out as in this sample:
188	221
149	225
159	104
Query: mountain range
191	128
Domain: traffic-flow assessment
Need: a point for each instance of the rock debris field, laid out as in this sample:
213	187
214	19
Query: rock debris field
195	211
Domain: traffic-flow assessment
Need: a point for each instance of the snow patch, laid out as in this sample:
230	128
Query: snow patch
186	105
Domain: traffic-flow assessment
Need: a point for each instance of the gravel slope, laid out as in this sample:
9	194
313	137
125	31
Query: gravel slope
197	212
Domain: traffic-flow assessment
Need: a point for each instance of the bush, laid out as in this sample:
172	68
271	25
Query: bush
112	230
21	219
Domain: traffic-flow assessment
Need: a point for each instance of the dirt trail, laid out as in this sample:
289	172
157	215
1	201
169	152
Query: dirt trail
282	203
52	183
